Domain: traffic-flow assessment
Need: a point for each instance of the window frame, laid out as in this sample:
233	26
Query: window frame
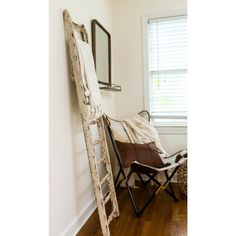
146	92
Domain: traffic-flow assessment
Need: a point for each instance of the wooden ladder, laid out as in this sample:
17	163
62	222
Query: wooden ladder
92	120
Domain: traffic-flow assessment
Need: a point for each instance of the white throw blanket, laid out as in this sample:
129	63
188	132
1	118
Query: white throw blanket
89	76
140	131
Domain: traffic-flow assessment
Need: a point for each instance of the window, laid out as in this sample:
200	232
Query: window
167	69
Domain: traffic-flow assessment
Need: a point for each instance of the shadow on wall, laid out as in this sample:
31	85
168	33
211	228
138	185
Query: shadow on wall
81	167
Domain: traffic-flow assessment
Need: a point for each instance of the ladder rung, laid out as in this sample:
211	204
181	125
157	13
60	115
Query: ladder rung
107	198
101	160
97	141
104	179
93	122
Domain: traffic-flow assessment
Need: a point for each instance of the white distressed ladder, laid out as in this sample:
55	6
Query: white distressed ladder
92	117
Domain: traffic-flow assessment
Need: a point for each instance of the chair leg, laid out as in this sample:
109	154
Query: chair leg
167	182
149	180
144	183
138	212
126	178
171	193
121	171
141	179
117	178
130	193
147	203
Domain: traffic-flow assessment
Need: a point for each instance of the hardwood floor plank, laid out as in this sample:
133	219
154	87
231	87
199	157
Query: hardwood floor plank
163	217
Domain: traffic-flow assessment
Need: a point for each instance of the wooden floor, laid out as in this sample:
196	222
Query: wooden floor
163	217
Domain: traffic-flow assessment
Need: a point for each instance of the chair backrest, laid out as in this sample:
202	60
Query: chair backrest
116	131
145	114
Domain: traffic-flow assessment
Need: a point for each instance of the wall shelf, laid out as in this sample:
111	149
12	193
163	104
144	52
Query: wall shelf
110	87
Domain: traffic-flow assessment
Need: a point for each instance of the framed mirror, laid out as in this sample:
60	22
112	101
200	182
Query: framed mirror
101	47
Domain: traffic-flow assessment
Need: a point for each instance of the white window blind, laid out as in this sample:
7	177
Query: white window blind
167	49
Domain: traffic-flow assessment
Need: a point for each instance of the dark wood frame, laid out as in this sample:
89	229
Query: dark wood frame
95	24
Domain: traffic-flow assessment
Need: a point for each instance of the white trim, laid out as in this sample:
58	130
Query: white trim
174	130
75	226
145	19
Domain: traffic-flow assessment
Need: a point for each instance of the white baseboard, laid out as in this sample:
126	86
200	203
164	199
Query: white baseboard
80	220
75	226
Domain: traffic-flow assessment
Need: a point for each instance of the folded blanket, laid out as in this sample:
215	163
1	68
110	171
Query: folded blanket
141	131
89	77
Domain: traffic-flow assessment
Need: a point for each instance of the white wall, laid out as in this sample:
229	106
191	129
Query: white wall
128	45
128	60
71	194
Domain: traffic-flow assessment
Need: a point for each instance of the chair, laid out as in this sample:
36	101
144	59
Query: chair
149	172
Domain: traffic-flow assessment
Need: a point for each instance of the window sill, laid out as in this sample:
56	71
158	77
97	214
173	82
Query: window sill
171	129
